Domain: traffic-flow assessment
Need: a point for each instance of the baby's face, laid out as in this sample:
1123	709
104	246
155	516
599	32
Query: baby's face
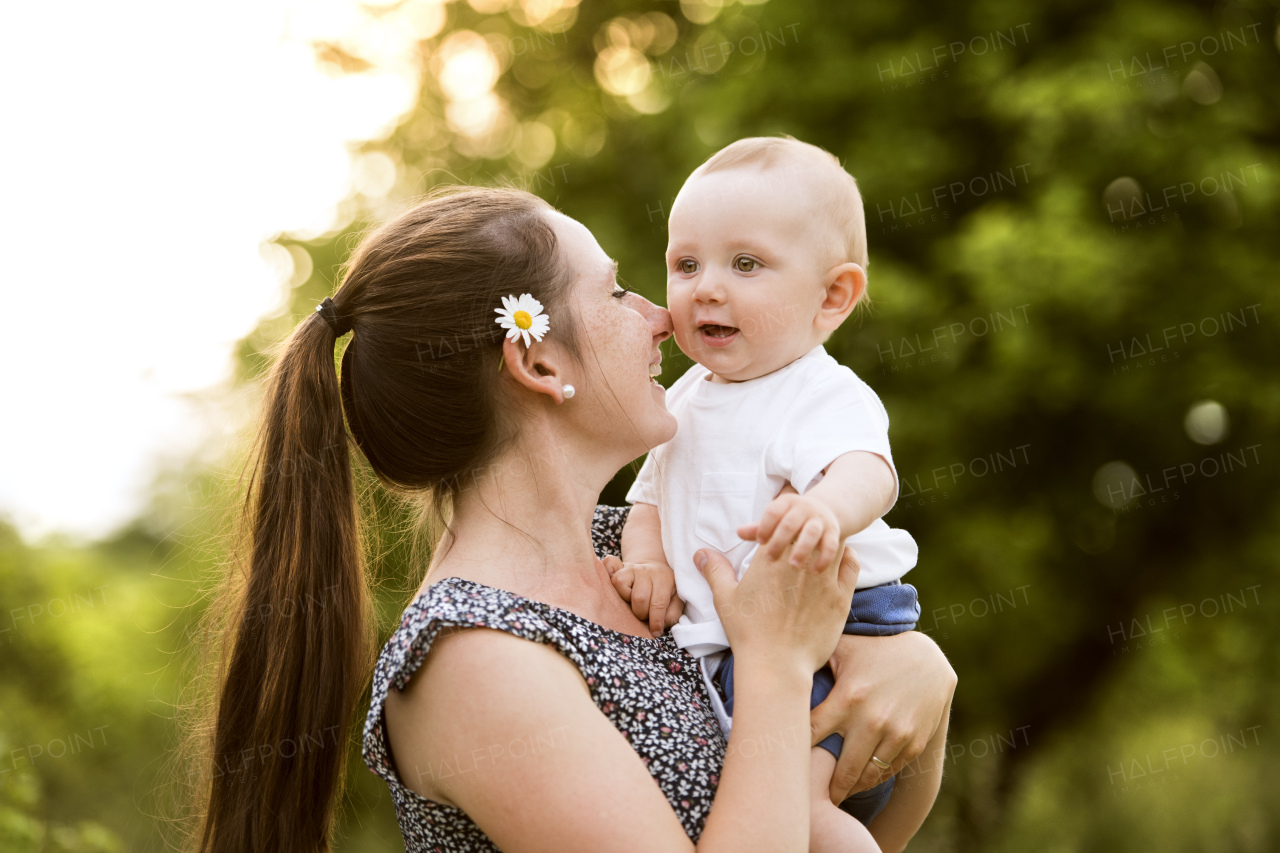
745	267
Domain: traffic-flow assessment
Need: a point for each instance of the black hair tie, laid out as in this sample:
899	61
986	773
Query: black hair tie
327	310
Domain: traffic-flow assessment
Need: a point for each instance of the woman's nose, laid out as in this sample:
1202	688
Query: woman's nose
659	320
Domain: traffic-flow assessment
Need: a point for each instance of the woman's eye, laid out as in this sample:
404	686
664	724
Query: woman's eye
745	264
688	266
620	291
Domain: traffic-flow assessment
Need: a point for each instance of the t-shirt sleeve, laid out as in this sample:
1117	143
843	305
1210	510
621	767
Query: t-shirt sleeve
837	416
645	489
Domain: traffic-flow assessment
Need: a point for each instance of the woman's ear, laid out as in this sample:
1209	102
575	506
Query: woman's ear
537	368
845	285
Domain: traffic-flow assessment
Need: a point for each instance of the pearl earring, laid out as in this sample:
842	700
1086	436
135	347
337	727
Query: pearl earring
569	391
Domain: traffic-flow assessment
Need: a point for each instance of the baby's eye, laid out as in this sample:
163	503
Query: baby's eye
744	264
688	266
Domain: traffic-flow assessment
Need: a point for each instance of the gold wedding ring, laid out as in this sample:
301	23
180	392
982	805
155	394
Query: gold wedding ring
883	765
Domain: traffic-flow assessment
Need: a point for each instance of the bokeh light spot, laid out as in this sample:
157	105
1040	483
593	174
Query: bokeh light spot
1202	85
622	70
1114	484
1206	422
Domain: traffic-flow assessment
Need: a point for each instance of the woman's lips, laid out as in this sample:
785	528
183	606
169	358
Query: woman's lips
717	336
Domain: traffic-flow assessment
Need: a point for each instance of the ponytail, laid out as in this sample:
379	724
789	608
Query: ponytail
300	645
419	393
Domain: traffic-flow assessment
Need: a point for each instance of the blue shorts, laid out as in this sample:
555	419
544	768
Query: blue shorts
891	608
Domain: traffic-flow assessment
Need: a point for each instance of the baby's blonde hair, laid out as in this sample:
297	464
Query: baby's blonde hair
841	202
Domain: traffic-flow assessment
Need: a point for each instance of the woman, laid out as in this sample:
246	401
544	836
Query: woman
547	731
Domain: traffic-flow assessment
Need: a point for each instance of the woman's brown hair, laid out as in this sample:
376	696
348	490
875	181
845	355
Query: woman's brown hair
419	391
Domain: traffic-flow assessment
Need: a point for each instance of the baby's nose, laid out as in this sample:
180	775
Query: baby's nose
709	289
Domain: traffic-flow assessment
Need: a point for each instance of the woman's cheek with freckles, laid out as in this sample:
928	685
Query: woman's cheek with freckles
615	343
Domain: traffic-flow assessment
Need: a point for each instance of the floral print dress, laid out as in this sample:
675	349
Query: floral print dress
651	690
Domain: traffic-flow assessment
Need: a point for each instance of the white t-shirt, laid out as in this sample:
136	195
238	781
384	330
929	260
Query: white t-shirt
737	445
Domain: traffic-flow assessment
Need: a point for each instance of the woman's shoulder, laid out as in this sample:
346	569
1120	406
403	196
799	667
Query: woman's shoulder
432	620
648	689
444	607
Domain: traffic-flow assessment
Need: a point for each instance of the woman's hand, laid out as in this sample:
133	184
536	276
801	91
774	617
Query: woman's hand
890	696
779	612
783	622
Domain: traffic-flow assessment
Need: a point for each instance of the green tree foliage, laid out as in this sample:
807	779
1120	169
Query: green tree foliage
81	730
1072	211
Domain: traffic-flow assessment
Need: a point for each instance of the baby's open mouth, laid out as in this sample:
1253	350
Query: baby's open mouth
714	335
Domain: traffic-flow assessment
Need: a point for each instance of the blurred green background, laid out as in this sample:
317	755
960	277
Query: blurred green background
1072	214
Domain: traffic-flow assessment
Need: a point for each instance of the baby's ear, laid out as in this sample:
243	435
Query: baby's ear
845	285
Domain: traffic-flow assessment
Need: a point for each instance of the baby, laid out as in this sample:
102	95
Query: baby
778	444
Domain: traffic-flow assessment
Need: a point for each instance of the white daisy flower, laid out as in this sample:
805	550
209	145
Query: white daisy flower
522	318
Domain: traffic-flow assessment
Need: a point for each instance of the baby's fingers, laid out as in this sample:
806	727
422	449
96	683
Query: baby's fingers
784	534
674	610
623	580
827	550
809	539
657	610
767	526
641	595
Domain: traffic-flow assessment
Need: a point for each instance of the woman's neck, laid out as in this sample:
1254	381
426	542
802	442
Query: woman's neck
523	522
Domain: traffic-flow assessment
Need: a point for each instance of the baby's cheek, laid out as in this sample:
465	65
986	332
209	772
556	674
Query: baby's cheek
681	309
681	334
771	332
760	322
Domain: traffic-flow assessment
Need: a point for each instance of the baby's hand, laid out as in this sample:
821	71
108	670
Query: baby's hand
805	521
651	590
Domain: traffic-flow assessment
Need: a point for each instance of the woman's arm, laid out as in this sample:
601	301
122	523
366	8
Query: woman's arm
890	696
478	691
577	786
584	789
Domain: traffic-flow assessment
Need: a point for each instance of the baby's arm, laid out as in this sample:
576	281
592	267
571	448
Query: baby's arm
856	489
642	577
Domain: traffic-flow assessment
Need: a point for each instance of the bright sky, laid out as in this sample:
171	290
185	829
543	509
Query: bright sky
150	147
